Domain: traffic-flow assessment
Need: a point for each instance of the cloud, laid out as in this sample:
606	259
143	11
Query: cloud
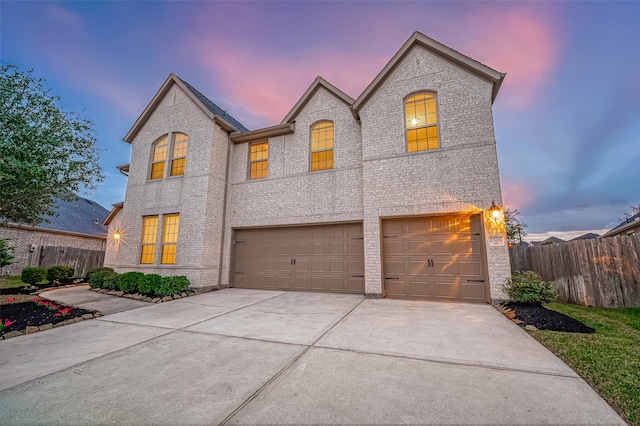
267	85
522	43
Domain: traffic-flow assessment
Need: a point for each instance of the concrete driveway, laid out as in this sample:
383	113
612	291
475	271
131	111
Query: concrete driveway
256	357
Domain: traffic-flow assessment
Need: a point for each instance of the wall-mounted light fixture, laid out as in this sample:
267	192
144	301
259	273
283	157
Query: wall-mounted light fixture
496	214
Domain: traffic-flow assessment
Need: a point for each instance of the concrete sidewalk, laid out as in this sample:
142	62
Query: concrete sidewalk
258	357
83	297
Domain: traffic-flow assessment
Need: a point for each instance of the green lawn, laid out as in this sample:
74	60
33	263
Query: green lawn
14	282
609	359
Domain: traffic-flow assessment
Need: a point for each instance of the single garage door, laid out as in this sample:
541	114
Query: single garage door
313	258
436	258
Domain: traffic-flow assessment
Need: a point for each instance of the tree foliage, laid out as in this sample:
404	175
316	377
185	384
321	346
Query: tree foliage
628	215
45	152
6	254
511	221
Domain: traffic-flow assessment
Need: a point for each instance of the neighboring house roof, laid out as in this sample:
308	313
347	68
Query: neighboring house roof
114	211
213	111
631	222
315	86
82	216
419	39
552	240
589	236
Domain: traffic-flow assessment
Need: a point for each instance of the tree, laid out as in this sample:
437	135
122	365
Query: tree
45	152
634	211
514	234
6	254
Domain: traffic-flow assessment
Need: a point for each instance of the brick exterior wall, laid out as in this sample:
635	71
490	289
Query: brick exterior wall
113	246
22	241
197	196
373	176
461	176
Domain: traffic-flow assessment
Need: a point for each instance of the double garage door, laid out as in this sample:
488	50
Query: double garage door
326	258
426	258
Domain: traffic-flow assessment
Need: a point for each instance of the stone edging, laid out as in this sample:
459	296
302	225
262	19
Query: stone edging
35	328
142	297
509	313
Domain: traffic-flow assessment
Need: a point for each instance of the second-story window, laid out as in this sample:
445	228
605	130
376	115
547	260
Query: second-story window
258	160
421	122
179	154
158	158
322	146
176	144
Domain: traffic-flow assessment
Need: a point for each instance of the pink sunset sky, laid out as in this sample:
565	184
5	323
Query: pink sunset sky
567	118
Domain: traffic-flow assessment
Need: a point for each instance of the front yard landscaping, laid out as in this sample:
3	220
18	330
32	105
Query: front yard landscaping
609	359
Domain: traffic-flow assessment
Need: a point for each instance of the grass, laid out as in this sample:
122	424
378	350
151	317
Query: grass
14	282
609	359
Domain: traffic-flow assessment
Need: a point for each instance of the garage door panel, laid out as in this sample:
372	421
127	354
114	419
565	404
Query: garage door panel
393	227
470	269
417	227
416	246
447	290
355	248
417	267
319	258
472	290
419	288
396	288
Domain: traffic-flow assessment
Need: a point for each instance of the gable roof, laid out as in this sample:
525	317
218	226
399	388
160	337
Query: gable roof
212	110
588	236
315	86
419	39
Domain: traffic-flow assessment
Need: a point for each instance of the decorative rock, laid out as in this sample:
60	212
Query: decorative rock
103	291
87	316
69	321
78	319
510	314
176	296
517	321
167	298
118	293
32	329
59	324
13	333
156	300
183	294
530	327
46	327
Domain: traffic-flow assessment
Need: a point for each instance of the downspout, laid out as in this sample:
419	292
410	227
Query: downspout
224	212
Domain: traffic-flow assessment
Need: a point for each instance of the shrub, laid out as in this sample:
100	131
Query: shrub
104	279
99	269
33	275
129	282
171	285
528	287
149	283
59	272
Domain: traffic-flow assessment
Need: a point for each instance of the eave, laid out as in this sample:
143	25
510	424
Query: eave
264	133
315	86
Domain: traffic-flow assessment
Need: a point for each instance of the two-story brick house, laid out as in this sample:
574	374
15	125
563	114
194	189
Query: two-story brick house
388	194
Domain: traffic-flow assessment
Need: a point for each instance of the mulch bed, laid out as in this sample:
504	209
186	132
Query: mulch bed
28	314
543	318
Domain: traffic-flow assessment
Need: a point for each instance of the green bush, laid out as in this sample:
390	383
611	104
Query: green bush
171	285
149	283
129	282
33	275
99	269
528	287
59	272
104	279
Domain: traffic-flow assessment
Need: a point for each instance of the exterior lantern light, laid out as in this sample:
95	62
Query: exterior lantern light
495	213
116	235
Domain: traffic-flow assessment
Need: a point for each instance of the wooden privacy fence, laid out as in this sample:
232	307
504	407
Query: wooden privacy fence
602	272
82	260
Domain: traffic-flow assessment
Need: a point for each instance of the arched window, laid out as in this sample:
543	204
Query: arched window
322	146
177	144
179	154
421	122
159	157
